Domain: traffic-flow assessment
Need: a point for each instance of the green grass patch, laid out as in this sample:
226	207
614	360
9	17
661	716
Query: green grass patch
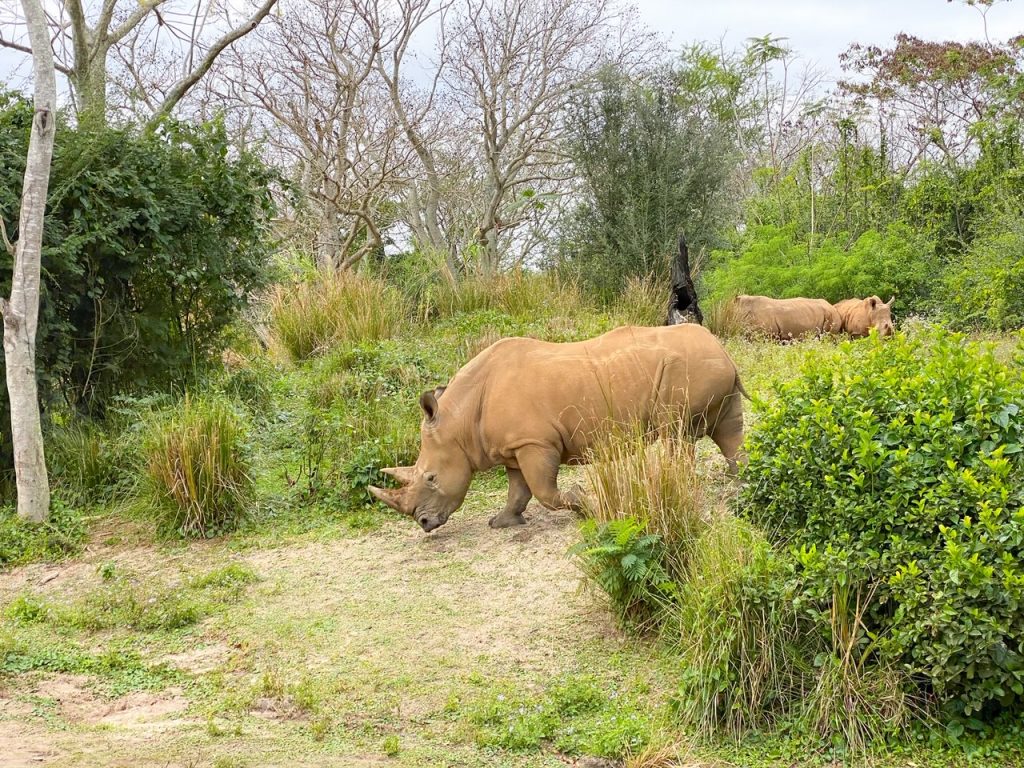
577	715
59	537
118	670
124	602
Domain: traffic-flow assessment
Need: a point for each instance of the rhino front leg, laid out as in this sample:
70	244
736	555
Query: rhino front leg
540	468
518	497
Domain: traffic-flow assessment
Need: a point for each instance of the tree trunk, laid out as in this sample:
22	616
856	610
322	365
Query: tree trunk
90	84
21	313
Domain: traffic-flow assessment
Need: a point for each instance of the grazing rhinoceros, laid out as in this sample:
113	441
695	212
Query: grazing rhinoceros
786	318
861	315
533	405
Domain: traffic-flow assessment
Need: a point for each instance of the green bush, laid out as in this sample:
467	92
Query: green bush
153	243
196	467
986	287
777	261
898	467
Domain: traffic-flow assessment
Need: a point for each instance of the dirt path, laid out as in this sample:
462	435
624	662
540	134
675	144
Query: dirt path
385	633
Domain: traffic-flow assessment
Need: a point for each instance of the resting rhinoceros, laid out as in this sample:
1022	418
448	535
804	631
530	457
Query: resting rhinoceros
861	315
786	318
534	405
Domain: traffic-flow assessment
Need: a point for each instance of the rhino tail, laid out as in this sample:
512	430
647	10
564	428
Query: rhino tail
740	389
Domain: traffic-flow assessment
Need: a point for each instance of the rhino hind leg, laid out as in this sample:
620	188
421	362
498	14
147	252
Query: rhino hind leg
540	468
519	496
728	431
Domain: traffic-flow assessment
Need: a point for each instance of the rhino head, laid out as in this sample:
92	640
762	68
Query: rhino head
436	485
872	313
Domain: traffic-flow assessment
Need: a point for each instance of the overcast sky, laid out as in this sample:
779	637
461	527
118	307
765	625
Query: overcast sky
821	29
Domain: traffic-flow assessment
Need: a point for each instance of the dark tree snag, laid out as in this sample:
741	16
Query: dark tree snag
682	305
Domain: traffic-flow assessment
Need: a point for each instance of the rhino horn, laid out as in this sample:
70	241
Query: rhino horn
404	475
890	301
393	497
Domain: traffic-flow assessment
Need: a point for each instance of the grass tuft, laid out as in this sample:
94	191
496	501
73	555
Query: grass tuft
643	301
330	309
195	468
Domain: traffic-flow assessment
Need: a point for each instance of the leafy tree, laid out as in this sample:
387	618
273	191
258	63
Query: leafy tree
655	158
152	244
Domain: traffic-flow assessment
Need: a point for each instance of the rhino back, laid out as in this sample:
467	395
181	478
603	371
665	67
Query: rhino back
535	392
787	318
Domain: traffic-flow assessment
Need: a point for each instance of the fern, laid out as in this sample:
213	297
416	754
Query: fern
628	564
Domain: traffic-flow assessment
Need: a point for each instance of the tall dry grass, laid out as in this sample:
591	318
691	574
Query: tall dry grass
309	317
196	471
643	301
518	293
723	319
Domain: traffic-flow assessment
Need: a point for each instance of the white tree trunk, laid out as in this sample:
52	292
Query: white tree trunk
21	312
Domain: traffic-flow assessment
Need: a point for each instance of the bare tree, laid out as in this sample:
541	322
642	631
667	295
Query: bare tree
422	114
513	64
21	311
84	37
311	74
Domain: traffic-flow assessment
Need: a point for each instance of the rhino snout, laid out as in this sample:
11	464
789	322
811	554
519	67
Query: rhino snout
427	524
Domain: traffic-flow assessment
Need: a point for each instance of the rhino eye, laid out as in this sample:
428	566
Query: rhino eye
430	477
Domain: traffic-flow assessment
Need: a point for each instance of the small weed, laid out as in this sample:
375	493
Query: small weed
107	571
28	609
320	726
232	577
391	746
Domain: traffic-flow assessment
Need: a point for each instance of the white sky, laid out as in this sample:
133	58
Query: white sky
819	30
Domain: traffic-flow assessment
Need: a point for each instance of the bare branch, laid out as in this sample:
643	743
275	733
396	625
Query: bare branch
182	86
6	240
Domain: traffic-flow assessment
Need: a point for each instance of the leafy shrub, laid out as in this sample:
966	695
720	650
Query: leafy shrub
986	287
899	467
196	469
154	241
21	541
329	309
627	563
775	261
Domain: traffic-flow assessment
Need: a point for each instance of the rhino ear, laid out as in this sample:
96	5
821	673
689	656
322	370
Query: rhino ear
393	497
873	302
428	402
403	475
438	391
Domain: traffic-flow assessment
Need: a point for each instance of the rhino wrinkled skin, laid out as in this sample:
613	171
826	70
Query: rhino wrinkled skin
533	405
793	318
